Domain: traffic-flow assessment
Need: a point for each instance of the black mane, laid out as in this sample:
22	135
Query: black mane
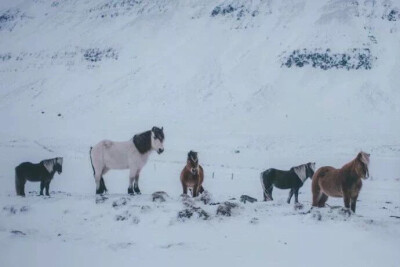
143	142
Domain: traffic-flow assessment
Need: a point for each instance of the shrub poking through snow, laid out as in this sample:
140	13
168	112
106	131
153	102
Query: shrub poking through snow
225	209
8	19
237	10
5	57
353	59
195	212
394	15
120	202
97	54
127	215
205	197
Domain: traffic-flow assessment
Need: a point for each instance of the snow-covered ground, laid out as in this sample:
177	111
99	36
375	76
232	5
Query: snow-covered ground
216	75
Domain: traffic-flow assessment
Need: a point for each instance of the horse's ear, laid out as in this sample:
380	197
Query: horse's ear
162	128
153	129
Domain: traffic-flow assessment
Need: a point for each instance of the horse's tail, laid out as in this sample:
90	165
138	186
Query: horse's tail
262	180
91	161
16	182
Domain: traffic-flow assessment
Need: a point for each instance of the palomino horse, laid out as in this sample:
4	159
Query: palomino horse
345	182
132	155
42	172
292	179
192	175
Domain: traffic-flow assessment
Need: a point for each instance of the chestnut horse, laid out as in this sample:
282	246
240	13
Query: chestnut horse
192	175
345	182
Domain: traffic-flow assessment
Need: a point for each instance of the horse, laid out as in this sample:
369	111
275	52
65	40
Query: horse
292	179
132	154
42	172
344	182
192	175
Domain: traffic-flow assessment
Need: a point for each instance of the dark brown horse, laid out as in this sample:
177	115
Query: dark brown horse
192	175
345	182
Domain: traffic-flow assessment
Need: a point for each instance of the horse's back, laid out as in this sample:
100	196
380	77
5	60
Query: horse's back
280	178
325	172
29	171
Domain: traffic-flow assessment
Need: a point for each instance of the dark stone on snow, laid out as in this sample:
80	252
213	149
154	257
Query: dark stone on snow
159	196
225	209
245	198
17	232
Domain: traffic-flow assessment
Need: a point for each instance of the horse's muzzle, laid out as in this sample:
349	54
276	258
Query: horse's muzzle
160	150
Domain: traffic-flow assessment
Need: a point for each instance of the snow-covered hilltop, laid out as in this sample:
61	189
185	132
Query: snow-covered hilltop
248	84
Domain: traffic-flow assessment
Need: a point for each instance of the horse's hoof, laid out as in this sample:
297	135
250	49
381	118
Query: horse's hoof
130	191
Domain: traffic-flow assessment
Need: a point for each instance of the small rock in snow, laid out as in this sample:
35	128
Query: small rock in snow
159	196
245	198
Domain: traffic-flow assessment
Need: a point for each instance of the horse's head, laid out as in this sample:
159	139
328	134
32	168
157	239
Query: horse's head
310	169
157	139
58	165
193	162
362	163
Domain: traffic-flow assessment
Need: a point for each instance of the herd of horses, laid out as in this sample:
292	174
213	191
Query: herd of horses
133	154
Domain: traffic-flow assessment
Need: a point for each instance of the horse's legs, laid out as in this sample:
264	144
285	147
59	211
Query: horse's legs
296	195
47	188
100	185
42	184
290	195
353	202
195	190
20	186
136	185
271	187
346	198
184	188
132	178
321	200
316	192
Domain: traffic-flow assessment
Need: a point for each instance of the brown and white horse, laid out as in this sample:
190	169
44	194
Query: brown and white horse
192	175
345	182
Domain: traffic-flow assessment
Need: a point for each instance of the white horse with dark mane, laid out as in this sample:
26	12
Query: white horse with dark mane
132	155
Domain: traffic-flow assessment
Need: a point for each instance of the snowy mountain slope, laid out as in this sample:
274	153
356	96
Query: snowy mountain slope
248	84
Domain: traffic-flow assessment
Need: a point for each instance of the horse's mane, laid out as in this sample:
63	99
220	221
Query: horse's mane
142	141
49	163
362	160
300	171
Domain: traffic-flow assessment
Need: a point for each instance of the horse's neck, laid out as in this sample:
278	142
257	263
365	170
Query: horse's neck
350	170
